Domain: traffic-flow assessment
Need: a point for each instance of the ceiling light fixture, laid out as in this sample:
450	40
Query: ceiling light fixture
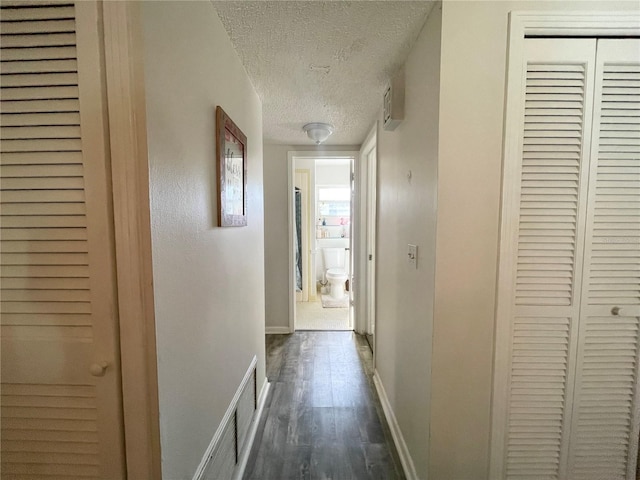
318	132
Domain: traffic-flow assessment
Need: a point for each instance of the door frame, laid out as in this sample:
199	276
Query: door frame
305	189
291	156
522	24
368	179
121	29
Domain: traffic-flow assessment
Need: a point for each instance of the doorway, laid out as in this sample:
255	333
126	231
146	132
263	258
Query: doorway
321	240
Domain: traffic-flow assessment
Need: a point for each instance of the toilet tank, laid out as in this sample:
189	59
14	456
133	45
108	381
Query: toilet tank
333	258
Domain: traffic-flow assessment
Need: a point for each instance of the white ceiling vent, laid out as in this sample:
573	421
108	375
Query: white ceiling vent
393	112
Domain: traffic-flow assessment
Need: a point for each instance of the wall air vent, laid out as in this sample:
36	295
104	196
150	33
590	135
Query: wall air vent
230	440
393	112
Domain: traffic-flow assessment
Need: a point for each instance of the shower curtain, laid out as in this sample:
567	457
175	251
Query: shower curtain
298	240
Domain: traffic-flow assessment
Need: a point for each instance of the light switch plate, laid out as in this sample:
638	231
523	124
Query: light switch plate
412	255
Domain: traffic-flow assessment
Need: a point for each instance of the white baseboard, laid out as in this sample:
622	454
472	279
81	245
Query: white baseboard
277	330
405	458
253	429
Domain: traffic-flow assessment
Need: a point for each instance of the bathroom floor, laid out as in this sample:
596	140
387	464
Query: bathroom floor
322	418
312	316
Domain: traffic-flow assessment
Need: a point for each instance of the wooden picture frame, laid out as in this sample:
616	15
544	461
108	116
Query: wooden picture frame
231	163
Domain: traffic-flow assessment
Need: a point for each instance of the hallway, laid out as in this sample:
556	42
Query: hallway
323	418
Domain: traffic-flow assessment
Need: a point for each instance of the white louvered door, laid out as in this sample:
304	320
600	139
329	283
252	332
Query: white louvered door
570	253
604	433
548	239
61	413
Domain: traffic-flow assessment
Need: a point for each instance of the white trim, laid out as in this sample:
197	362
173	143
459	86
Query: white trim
291	155
290	229
225	420
277	330
253	429
582	23
401	446
511	145
522	24
125	95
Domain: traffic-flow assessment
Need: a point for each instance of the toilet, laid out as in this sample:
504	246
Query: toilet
334	264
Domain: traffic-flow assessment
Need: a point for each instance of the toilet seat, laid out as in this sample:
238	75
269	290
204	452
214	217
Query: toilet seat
336	272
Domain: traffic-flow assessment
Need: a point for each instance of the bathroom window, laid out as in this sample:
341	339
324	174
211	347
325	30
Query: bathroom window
334	194
334	211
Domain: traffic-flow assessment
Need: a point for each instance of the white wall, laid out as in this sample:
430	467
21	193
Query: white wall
209	281
474	50
407	214
334	175
276	263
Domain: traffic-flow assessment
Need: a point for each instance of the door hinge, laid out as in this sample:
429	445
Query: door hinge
370	257
353	176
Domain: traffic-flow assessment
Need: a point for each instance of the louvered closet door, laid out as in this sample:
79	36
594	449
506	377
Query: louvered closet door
604	438
542	292
58	420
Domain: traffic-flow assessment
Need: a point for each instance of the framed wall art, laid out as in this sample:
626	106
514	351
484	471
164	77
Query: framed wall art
231	159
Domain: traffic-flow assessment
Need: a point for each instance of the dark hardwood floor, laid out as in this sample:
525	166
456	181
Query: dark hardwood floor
323	418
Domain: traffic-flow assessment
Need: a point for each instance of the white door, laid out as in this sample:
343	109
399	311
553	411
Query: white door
60	373
538	298
366	237
372	178
566	387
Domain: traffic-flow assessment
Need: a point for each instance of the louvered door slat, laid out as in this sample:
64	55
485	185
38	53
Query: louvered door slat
37	54
46	271
41	171
41	40
43	145
40	119
41	66
54	102
54	295
41	158
40	12
55	182
604	439
38	80
33	93
43	246
29	27
48	258
57	292
49	131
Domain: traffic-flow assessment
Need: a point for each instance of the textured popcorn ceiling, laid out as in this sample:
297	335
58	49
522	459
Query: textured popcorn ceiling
321	61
